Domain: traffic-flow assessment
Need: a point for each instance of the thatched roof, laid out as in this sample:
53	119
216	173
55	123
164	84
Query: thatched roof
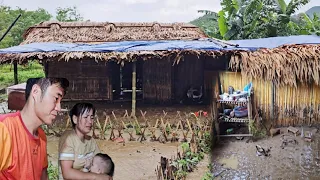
91	32
284	65
287	64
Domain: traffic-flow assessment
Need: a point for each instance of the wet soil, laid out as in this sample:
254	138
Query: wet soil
238	159
134	160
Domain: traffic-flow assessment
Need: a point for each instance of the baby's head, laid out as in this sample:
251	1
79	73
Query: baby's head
102	164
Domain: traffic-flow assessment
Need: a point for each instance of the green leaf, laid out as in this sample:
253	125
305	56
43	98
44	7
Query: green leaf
283	6
223	27
294	5
307	20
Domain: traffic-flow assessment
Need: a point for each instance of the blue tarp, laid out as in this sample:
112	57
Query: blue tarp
274	42
127	46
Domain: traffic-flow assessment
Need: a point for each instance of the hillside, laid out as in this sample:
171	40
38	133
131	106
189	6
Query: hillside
311	11
208	23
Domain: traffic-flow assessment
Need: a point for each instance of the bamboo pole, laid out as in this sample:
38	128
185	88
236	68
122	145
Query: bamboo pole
272	102
215	116
15	69
134	87
249	112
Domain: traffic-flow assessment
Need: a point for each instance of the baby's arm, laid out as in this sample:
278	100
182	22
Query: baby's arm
85	169
87	165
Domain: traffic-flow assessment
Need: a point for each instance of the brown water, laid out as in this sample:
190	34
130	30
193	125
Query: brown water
238	160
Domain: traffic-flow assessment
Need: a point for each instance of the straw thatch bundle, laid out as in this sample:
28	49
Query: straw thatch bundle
120	57
53	31
284	65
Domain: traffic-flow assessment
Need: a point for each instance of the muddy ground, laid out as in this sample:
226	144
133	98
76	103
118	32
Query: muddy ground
131	157
237	159
135	160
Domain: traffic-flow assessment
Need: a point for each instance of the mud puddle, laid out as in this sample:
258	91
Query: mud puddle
233	159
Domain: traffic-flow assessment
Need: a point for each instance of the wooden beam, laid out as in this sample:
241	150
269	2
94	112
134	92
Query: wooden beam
236	135
15	69
249	105
134	88
215	115
272	114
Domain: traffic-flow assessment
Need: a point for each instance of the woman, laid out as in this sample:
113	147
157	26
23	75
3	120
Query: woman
76	147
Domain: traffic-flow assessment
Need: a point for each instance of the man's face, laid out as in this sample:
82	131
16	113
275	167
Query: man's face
47	104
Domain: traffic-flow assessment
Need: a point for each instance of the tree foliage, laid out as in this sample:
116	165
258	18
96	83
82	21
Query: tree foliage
68	14
248	19
208	23
27	19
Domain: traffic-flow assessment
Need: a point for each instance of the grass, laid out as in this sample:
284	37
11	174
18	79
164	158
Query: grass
257	133
208	175
190	159
53	171
31	69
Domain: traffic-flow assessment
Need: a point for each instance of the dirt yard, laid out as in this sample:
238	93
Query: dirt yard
140	159
134	157
238	159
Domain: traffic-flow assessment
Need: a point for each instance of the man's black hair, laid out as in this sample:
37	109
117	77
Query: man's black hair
44	83
30	83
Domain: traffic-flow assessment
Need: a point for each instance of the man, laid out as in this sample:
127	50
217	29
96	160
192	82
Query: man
23	152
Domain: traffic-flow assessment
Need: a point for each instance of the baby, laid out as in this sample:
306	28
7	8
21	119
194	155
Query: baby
101	164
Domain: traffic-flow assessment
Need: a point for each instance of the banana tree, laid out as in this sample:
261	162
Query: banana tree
284	13
309	25
239	18
247	19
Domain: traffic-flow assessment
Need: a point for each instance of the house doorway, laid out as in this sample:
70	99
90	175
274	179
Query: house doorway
122	81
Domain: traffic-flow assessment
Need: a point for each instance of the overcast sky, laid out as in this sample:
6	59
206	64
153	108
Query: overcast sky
131	10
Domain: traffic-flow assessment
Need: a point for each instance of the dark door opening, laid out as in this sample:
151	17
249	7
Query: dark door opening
122	81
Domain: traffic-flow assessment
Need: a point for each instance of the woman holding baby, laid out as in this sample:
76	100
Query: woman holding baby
77	150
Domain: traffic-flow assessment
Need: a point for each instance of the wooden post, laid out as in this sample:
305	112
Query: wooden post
46	68
215	114
15	69
134	87
249	113
272	103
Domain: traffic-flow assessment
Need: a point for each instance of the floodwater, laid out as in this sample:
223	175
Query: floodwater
134	160
234	159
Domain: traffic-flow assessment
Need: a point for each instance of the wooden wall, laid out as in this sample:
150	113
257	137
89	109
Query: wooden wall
157	81
292	105
88	79
189	72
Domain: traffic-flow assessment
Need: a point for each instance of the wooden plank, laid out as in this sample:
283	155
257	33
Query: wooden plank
236	135
15	69
236	120
241	103
134	88
215	116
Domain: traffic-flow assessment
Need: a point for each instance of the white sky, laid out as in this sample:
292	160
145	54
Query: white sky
131	10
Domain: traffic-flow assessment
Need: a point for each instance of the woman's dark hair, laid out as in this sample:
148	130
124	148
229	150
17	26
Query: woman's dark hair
79	109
